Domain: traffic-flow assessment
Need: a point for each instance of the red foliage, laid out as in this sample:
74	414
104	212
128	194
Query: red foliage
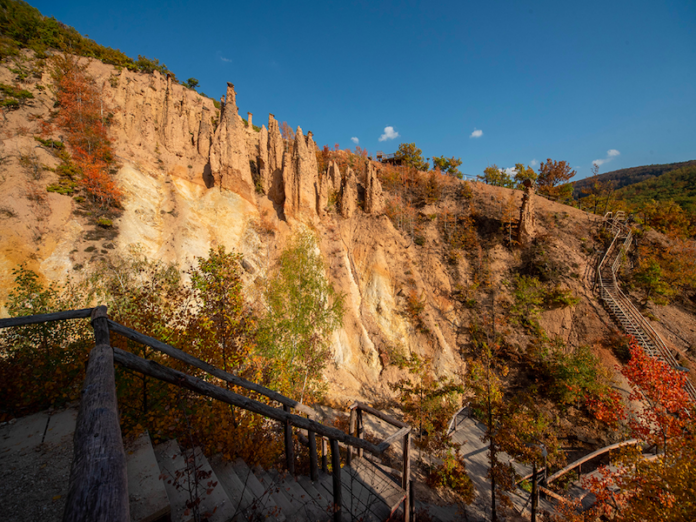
663	389
81	118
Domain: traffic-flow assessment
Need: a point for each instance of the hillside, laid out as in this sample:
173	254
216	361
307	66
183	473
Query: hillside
420	286
625	177
678	185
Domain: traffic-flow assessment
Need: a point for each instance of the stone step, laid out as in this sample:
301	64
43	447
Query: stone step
146	491
191	485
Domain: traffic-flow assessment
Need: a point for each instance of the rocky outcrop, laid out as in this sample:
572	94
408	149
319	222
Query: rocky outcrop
348	196
328	188
276	152
153	114
374	200
229	156
205	133
262	160
527	228
300	178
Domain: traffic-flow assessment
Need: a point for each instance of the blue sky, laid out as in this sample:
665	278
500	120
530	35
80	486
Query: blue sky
563	80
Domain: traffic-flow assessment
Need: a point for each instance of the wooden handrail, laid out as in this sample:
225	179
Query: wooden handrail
98	489
404	433
590	456
208	368
45	318
163	373
380	415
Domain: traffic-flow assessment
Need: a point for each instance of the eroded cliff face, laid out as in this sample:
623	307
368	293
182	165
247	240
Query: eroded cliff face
195	177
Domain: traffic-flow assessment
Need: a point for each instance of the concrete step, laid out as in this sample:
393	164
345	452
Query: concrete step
23	435
241	497
318	494
35	458
306	508
263	501
272	486
146	492
192	485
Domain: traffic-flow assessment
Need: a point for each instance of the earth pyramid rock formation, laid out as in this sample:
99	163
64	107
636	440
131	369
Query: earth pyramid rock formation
328	186
205	133
374	200
262	161
276	152
301	178
527	228
348	200
229	157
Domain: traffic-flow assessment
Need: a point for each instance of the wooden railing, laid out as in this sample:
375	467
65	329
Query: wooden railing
98	489
357	428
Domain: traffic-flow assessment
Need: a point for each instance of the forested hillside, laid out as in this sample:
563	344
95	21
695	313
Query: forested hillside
624	177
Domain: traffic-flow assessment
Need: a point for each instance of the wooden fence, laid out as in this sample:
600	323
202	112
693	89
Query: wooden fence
98	489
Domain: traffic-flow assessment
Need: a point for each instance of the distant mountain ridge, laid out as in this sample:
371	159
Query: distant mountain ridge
625	177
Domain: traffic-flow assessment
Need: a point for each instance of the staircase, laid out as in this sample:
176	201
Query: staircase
170	483
620	306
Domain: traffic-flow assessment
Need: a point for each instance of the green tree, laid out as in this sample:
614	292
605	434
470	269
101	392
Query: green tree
649	278
191	83
448	165
528	293
411	156
302	312
498	177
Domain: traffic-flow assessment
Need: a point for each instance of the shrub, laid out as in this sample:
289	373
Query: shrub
451	474
104	222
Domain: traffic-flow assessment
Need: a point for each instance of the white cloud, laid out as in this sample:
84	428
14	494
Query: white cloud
389	134
355	140
510	171
477	133
226	60
533	163
611	154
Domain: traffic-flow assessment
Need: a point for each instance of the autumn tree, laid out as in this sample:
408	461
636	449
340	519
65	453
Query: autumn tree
411	156
226	320
81	117
523	173
552	175
428	403
448	166
661	487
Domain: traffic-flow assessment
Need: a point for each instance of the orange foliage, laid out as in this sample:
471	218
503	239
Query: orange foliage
81	118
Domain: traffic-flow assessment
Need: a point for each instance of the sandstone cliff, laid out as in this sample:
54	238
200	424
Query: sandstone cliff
188	185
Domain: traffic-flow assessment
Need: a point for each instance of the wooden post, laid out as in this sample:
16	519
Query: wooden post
324	456
361	430
352	431
289	446
406	476
336	472
98	489
412	498
535	492
313	467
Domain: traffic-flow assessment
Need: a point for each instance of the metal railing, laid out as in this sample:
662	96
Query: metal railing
620	306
